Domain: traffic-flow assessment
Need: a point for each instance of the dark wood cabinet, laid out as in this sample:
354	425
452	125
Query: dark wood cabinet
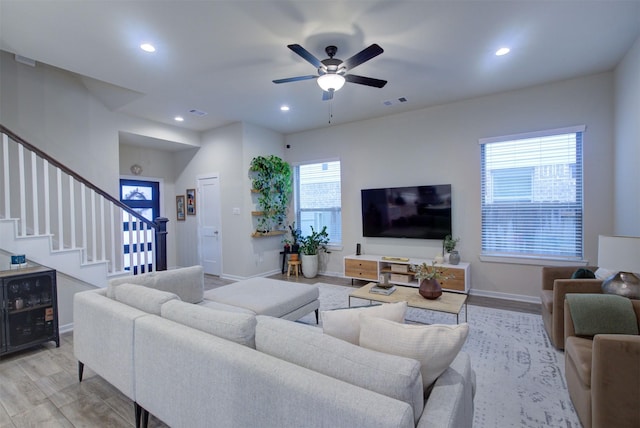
29	312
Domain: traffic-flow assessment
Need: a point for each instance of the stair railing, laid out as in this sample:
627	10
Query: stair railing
49	198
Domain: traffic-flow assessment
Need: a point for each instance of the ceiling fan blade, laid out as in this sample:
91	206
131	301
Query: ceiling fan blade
295	79
306	55
364	55
327	95
368	81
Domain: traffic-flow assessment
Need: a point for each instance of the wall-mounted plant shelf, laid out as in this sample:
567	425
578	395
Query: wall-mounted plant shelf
271	233
271	180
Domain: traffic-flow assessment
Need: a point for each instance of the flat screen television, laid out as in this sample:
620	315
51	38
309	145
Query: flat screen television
419	212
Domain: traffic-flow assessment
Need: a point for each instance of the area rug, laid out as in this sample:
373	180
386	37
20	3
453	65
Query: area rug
520	375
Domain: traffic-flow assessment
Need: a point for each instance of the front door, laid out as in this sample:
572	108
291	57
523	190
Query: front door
209	234
143	197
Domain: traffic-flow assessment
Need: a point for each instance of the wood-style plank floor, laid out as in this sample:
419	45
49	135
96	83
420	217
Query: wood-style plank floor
39	387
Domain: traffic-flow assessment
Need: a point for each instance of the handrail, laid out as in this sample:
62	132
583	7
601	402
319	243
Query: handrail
136	236
65	169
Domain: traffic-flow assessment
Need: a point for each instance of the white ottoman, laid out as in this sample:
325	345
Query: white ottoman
272	297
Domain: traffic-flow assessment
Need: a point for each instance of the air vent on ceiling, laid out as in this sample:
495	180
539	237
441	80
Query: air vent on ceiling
393	102
197	112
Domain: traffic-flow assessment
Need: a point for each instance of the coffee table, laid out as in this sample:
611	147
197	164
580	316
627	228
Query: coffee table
450	303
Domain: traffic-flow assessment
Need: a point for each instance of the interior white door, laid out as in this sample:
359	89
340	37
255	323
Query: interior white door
209	236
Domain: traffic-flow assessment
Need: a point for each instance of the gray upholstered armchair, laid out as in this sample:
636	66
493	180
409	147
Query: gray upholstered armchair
556	283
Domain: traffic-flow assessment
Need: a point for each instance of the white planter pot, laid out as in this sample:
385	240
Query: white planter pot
309	265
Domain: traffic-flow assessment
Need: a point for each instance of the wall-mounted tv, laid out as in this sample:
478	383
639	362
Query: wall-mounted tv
420	212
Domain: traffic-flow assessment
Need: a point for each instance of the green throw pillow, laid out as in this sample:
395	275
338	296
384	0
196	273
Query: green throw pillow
583	273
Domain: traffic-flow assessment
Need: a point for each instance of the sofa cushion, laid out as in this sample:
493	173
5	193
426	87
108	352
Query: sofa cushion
265	296
143	298
222	307
345	323
389	375
234	326
434	346
187	283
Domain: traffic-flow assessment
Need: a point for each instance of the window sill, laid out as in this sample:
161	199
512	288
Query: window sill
537	261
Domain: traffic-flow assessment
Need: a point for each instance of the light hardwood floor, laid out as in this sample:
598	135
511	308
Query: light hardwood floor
39	387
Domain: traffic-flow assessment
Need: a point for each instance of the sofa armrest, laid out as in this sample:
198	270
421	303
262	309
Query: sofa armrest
450	404
103	334
615	380
551	273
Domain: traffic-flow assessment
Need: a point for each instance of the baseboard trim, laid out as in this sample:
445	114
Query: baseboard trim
504	296
65	328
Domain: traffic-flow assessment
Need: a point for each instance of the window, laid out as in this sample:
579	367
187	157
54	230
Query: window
532	194
318	199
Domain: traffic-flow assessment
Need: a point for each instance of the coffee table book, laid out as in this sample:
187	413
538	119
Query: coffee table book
382	290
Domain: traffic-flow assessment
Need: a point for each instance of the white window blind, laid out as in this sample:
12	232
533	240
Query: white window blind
532	194
318	199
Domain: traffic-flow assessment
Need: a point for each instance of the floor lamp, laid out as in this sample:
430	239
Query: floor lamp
620	254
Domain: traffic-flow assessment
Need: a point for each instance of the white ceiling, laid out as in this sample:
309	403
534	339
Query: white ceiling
220	56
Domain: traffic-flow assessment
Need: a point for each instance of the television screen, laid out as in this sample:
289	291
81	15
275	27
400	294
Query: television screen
420	212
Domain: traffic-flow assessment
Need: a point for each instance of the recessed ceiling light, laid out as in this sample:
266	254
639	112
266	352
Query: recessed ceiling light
284	108
502	51
147	47
179	119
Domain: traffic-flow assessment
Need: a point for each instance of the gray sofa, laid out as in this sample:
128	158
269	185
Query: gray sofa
193	365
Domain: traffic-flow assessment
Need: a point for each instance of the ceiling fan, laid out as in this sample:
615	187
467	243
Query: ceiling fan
333	72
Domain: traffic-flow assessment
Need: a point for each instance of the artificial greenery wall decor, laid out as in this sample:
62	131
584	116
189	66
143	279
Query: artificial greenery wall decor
271	178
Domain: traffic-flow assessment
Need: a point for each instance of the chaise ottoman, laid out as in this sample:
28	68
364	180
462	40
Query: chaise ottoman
272	297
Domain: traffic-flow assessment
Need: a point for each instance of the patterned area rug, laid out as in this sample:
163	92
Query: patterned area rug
520	375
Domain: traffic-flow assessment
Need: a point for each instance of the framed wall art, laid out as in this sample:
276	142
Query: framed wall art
180	208
191	201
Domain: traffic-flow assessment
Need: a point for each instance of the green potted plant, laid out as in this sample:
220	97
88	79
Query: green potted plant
295	237
272	180
449	250
310	247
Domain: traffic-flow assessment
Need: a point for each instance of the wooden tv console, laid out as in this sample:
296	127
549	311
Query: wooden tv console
370	267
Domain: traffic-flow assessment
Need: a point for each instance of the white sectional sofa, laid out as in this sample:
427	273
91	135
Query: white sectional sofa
195	365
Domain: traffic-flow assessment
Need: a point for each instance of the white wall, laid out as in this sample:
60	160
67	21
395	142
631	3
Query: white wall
228	151
627	135
440	145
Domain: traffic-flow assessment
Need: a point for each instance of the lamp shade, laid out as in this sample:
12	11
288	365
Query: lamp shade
331	81
619	253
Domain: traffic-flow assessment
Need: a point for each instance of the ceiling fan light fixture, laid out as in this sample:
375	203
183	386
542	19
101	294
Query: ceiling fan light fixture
331	82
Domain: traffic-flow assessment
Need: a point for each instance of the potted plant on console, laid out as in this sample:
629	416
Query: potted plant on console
429	276
449	250
310	247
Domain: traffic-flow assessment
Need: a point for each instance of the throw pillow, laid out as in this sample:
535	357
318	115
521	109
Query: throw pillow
583	274
345	323
434	346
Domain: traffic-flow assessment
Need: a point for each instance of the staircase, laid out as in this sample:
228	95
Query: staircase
60	220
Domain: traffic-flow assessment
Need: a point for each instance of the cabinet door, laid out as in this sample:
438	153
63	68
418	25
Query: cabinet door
31	310
361	269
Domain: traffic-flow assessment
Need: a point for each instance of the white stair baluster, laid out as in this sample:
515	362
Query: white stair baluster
34	193
7	187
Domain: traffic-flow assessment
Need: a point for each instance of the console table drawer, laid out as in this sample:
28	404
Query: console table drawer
457	283
361	269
